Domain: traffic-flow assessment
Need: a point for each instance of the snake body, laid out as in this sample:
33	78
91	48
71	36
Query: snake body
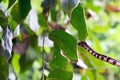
98	55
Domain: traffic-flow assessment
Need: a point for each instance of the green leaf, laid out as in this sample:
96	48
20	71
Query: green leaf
68	5
11	2
78	22
20	10
27	60
15	13
88	76
99	77
54	14
66	42
84	77
58	60
24	7
4	68
13	24
15	62
42	21
59	74
3	20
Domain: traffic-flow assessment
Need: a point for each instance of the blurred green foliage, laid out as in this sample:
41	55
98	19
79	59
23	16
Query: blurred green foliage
45	35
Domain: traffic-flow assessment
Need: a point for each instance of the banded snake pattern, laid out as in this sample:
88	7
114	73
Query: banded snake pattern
98	55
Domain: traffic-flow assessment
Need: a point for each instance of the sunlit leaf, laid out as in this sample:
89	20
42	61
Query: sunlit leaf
15	62
59	74
100	77
13	24
91	5
66	42
78	22
84	77
58	60
88	76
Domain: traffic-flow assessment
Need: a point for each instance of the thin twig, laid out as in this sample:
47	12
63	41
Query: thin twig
43	51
